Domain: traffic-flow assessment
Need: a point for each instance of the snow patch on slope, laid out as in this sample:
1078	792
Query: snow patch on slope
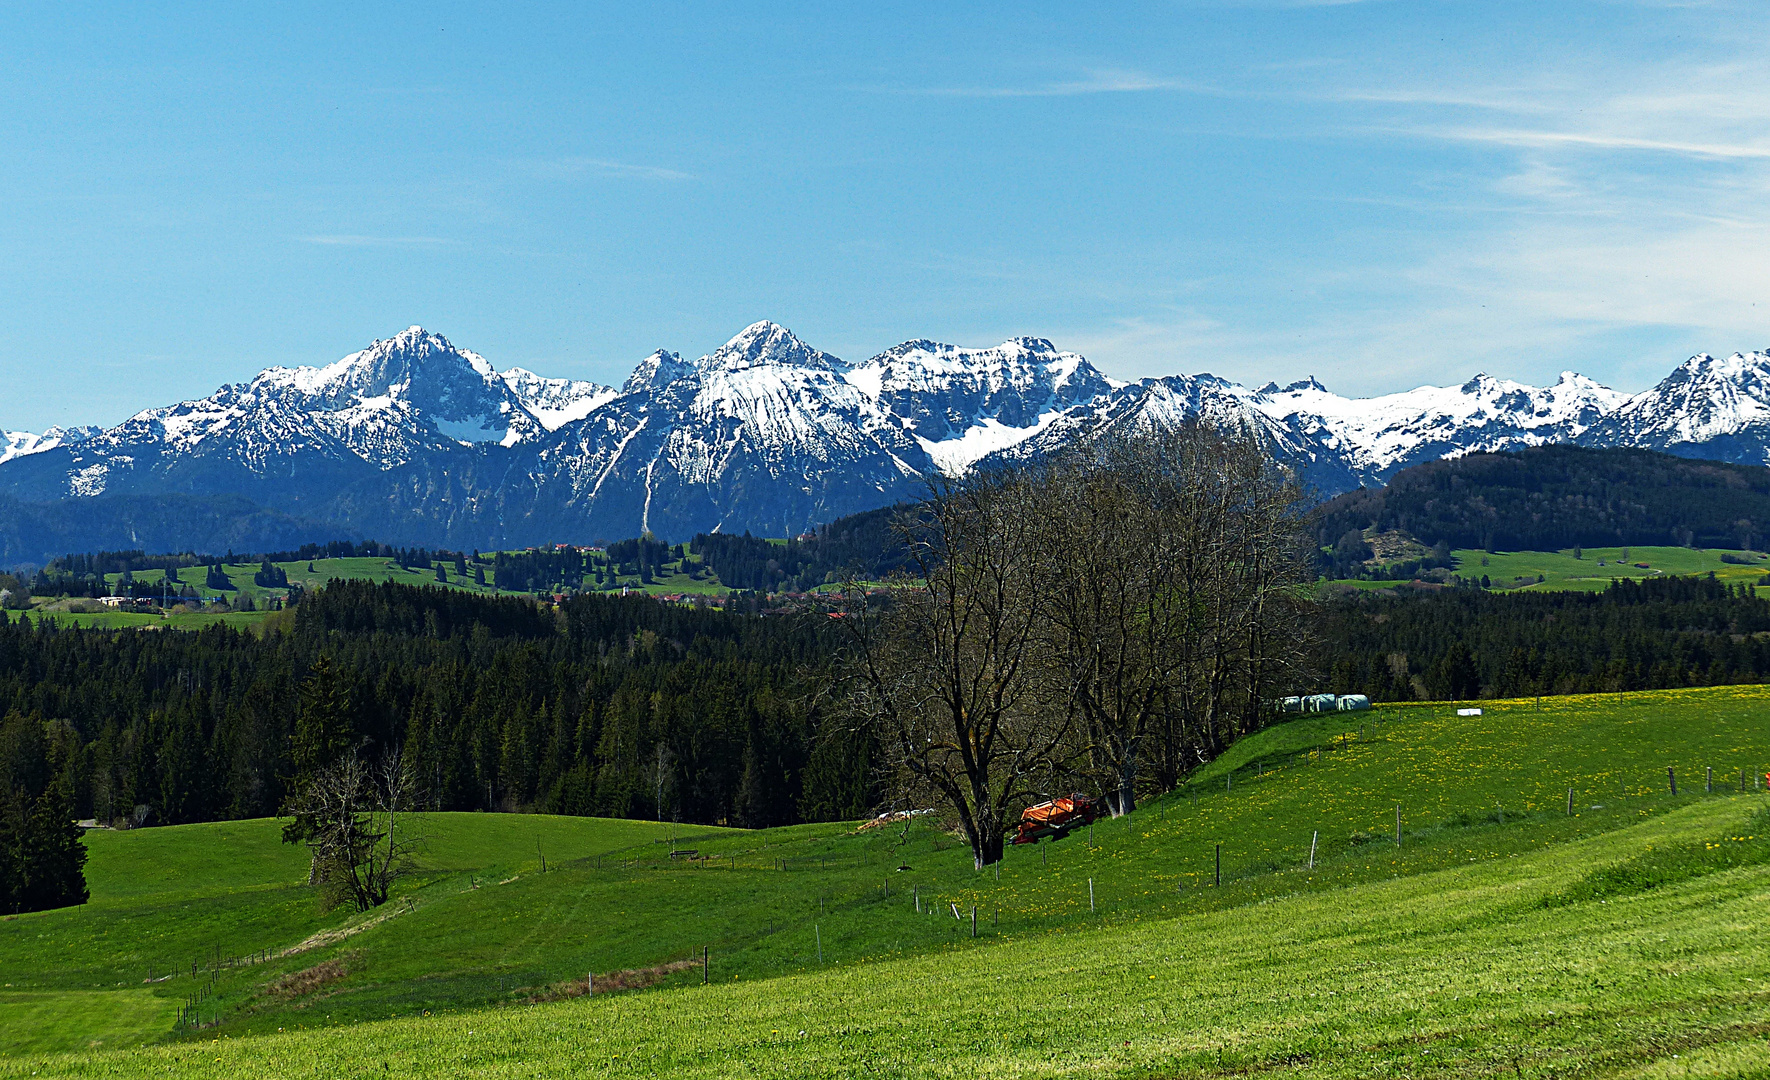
556	402
954	456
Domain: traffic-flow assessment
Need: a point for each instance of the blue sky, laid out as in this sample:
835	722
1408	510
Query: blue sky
1381	194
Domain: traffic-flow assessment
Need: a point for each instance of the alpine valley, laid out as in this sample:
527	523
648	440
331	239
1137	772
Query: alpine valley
414	440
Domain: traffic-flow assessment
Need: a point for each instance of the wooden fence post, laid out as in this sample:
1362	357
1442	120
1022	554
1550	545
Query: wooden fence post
1312	839
1090	894
1397	824
1672	779
1569	802
1709	779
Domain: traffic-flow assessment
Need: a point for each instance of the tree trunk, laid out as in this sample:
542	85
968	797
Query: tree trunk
987	850
1127	797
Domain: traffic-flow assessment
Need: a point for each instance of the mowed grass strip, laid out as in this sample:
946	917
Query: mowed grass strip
1461	972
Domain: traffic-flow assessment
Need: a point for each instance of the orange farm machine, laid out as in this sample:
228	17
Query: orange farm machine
1055	818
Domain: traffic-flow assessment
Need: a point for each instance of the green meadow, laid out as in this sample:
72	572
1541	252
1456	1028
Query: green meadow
1487	969
1501	934
323	570
1595	568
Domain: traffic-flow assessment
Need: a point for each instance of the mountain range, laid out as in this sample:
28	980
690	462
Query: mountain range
414	440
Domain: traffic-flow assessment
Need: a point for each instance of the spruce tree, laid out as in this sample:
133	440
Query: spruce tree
54	854
324	733
323	728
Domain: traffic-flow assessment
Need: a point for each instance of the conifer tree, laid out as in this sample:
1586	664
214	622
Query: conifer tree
323	728
324	734
54	853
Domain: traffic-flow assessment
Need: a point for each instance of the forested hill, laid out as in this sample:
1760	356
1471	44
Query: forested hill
1456	644
863	544
1552	497
607	705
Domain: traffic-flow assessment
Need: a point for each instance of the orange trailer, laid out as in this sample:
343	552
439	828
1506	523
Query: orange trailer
1055	818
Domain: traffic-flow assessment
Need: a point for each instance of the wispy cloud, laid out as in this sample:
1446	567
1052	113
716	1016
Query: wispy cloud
562	168
1095	82
359	240
1593	140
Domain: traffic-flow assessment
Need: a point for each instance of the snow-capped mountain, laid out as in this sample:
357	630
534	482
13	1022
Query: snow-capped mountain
415	440
963	404
1382	435
1706	408
19	443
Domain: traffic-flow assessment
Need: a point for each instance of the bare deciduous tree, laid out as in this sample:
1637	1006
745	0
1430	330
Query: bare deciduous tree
1113	616
1241	571
1133	600
944	669
361	829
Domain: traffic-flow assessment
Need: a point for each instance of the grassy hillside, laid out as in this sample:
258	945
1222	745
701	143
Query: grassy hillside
1595	568
1494	969
1484	827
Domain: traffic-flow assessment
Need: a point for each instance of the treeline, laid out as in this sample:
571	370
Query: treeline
41	853
1455	644
114	562
1552	497
864	545
604	706
574	569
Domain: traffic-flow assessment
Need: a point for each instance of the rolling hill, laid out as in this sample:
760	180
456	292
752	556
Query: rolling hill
1534	937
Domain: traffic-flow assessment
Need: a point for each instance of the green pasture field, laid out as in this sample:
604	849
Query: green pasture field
123	620
1562	572
823	912
324	570
1546	964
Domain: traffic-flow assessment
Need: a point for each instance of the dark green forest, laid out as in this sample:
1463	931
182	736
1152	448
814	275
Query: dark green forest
1551	497
863	545
1461	643
604	705
41	853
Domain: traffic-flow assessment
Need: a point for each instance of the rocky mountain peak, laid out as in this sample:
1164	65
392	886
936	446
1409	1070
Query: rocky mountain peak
655	372
764	344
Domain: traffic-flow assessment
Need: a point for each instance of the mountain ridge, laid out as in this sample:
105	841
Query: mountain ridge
416	439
